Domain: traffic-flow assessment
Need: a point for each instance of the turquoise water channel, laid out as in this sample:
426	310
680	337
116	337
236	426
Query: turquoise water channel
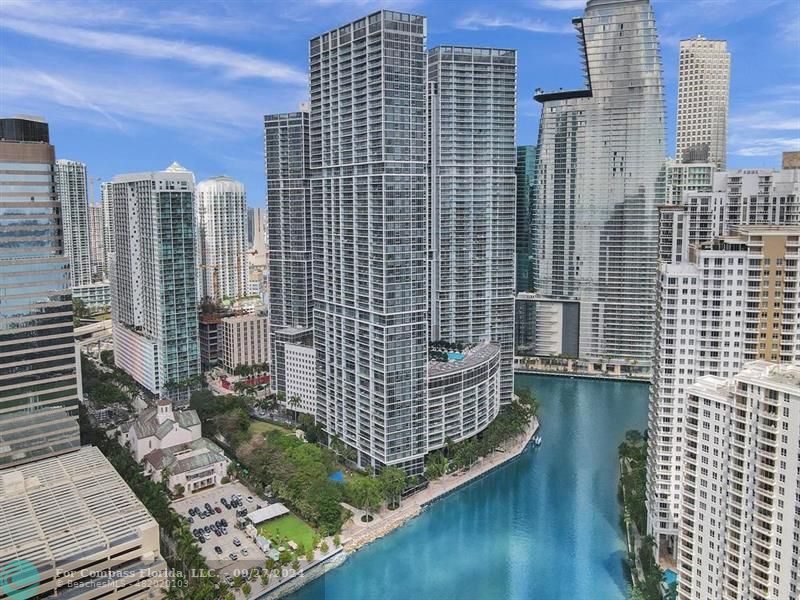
544	527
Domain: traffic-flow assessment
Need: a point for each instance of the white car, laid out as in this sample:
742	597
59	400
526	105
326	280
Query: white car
244	551
249	498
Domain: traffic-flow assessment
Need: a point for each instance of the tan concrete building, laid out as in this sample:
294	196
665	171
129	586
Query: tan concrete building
704	75
74	527
791	160
244	340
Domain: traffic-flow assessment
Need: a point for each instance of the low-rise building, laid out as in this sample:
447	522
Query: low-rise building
195	465
301	378
96	296
76	530
160	427
294	370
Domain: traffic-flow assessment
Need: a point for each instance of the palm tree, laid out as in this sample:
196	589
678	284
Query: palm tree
294	402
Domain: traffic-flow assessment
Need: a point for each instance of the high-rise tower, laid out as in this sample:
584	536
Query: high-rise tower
704	75
526	235
730	301
286	153
72	194
472	103
153	279
600	181
108	224
39	383
370	235
221	239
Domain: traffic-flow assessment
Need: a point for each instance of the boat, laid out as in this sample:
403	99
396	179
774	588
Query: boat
537	440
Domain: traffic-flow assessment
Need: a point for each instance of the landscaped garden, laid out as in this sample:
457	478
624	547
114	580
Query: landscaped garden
288	527
263	427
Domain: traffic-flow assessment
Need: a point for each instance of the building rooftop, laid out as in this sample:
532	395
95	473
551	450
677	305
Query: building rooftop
147	425
70	507
267	513
476	355
186	457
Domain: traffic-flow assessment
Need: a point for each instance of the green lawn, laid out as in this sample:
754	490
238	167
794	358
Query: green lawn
262	427
288	526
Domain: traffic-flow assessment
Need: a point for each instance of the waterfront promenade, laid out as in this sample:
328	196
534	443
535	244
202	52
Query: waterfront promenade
356	533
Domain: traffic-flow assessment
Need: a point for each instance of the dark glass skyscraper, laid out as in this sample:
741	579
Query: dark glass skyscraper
526	187
39	385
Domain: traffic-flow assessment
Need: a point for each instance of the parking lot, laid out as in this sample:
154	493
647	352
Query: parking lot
248	555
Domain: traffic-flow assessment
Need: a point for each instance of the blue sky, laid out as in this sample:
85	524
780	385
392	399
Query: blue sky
132	86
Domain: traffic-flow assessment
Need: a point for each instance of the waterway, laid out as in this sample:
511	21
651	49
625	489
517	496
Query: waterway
544	527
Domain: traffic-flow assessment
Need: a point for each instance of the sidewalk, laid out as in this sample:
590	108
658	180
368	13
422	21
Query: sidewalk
356	533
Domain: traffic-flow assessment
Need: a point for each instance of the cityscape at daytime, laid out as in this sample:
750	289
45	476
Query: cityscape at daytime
400	299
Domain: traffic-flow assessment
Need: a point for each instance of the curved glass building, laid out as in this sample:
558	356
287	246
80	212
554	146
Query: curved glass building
600	181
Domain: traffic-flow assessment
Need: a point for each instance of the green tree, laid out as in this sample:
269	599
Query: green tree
435	465
367	494
393	482
294	402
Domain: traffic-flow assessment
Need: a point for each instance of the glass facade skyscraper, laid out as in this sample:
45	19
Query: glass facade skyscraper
286	153
369	164
600	181
221	206
71	188
526	235
472	112
153	279
39	383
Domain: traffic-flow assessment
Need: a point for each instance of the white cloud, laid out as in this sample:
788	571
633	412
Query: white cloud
121	101
234	65
768	120
563	4
99	13
766	146
477	21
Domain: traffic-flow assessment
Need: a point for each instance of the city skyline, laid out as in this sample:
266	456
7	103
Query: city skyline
216	127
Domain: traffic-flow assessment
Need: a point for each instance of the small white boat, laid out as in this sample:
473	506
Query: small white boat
537	440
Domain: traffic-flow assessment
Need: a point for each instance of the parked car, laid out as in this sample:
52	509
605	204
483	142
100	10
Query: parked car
233	556
249	498
237	542
217	509
244	551
207	528
191	520
224	522
201	539
225	503
217	549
